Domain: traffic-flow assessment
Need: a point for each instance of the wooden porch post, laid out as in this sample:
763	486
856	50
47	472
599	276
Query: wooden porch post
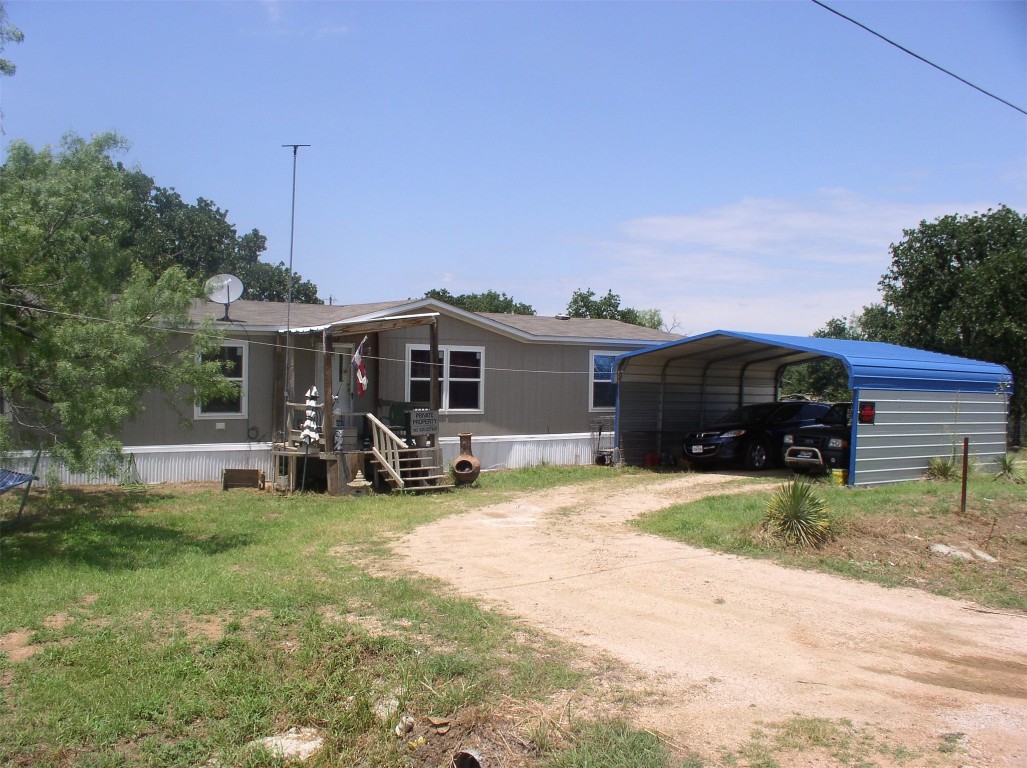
433	354
326	379
279	411
332	464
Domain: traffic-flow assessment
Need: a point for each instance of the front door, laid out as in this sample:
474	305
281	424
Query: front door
342	379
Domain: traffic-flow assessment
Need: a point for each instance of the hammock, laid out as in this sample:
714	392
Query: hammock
10	479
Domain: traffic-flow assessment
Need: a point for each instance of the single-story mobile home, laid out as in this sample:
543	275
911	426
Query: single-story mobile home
529	389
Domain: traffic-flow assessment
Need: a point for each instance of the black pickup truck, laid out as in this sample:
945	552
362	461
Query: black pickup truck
824	446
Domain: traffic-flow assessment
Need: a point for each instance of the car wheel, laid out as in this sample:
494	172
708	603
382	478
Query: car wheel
757	456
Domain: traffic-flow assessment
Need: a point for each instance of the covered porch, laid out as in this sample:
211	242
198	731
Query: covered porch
391	444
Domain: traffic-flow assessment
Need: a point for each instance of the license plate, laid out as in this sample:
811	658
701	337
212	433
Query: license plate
804	454
696	449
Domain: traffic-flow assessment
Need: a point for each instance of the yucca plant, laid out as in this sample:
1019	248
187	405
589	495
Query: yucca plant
1007	469
940	468
798	514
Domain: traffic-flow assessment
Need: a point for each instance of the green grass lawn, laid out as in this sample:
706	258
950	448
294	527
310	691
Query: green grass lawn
171	627
883	534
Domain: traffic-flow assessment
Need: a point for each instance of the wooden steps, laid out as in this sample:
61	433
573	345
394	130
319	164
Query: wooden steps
418	469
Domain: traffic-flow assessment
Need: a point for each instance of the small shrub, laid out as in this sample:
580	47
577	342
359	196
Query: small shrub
1008	470
798	514
940	468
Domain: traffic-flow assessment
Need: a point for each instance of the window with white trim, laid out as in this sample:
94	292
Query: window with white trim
602	395
233	357
461	377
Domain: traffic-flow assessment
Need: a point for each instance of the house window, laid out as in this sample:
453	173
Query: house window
461	376
603	392
233	359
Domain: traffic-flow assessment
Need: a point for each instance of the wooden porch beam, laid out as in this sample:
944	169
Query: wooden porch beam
433	356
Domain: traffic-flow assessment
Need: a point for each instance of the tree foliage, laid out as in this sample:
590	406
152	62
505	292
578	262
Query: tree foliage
87	323
489	301
958	285
824	379
587	304
199	238
8	34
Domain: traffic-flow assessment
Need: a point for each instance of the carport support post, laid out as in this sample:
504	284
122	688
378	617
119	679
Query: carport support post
966	466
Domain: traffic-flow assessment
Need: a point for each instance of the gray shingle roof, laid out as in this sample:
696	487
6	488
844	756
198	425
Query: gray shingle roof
271	315
576	327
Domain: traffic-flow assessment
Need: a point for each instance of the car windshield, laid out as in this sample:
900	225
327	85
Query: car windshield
839	415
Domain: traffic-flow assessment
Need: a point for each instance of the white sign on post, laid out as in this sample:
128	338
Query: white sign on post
423	422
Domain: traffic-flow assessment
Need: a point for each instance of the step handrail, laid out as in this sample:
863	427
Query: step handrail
392	451
386	447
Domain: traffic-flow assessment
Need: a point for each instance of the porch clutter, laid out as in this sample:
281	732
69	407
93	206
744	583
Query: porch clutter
242	478
311	430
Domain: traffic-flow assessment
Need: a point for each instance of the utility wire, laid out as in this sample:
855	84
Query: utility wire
918	56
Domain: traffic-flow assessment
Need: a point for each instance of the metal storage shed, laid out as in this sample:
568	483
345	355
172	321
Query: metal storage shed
917	404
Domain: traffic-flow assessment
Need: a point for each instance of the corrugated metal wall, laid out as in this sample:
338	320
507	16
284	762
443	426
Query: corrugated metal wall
163	464
658	407
518	451
911	428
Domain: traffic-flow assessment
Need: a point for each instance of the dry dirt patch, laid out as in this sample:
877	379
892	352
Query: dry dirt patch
732	643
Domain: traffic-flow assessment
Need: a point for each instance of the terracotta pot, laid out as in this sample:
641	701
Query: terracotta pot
466	468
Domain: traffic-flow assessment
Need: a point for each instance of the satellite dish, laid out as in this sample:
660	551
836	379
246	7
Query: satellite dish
224	289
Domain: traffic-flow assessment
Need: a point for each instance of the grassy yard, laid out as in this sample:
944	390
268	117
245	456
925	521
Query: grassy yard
885	535
172	627
175	626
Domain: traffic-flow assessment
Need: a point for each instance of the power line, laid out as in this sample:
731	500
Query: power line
918	56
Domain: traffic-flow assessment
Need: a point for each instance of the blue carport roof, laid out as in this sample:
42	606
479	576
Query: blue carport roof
871	364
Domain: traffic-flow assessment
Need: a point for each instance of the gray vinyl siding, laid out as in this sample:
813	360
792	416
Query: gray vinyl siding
913	427
529	388
160	424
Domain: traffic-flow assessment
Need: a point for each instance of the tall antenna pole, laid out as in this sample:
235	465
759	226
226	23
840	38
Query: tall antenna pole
290	370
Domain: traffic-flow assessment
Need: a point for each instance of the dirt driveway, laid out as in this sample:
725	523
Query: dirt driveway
731	643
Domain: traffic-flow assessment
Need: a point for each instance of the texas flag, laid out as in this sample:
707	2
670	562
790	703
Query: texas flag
359	369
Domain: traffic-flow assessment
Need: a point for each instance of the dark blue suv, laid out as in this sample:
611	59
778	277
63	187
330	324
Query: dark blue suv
752	434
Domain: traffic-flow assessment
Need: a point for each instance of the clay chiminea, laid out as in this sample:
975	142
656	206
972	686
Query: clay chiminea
465	467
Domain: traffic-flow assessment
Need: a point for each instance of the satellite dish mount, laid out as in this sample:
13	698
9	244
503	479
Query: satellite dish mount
224	289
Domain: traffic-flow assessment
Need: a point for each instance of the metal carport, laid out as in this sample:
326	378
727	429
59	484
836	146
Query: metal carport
924	403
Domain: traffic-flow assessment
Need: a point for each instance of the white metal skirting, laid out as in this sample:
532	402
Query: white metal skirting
518	451
152	464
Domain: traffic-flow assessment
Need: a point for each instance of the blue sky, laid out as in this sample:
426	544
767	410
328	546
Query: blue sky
737	165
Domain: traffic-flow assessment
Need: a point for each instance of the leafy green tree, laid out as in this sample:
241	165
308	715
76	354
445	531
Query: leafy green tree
958	285
87	328
823	379
653	318
489	301
586	304
200	239
8	34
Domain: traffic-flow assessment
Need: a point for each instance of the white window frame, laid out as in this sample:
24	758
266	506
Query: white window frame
592	380
241	378
445	351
